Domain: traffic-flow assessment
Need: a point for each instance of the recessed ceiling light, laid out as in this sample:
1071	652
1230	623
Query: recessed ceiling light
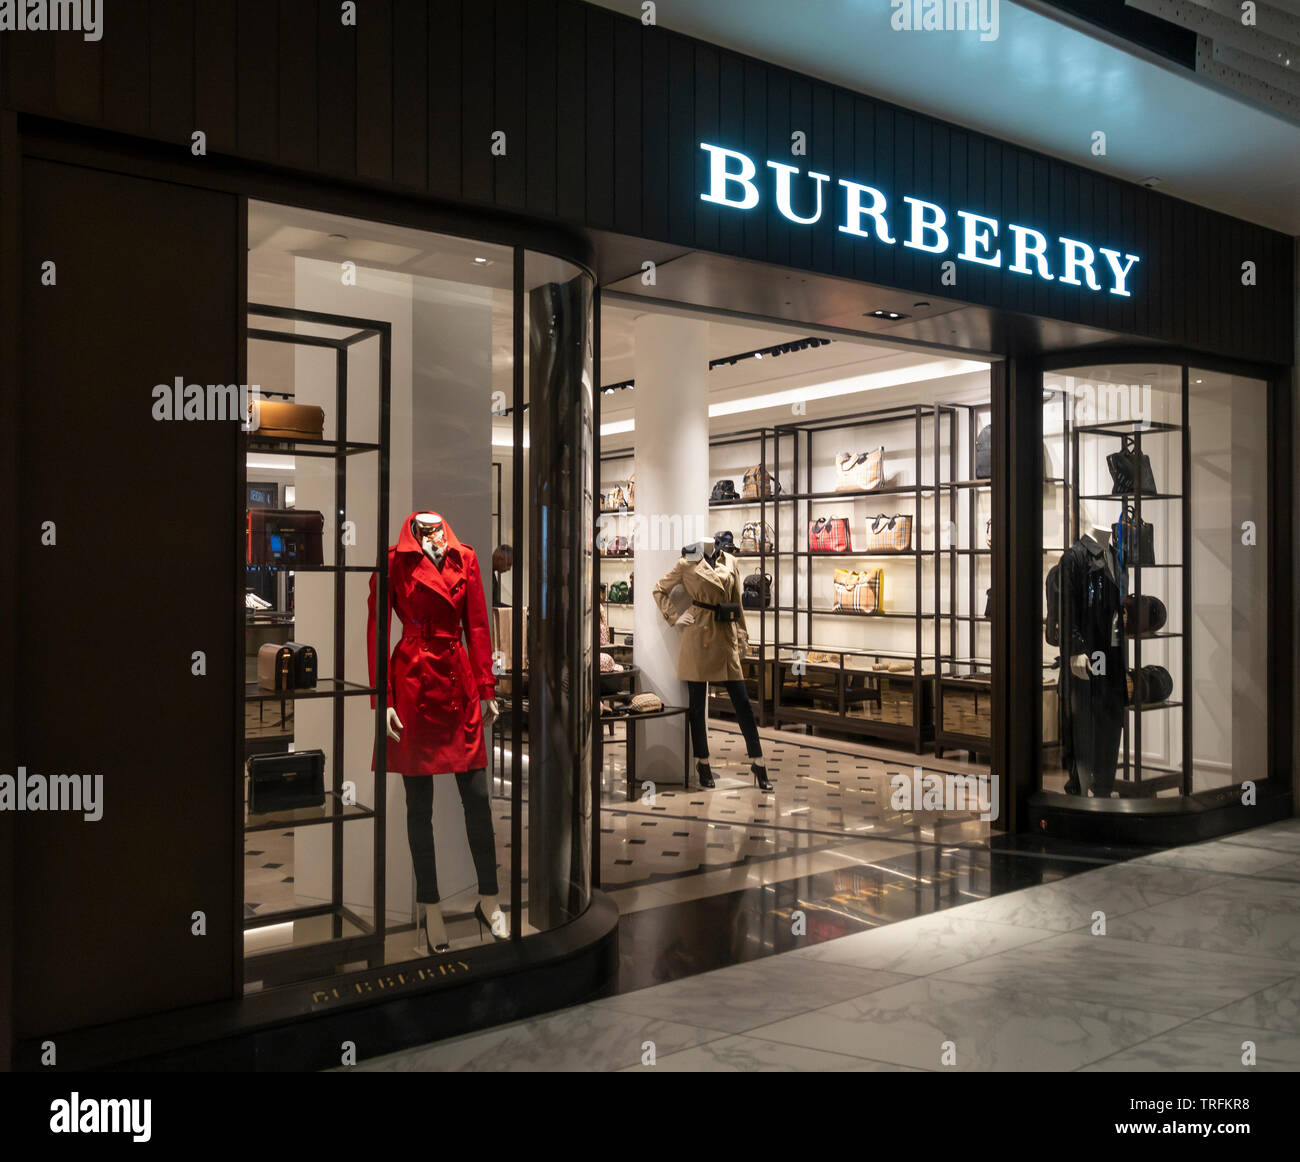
890	315
921	304
339	237
758	355
482	261
1198	381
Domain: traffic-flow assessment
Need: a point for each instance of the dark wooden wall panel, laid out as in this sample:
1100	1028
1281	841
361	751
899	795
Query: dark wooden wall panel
297	84
259	65
571	119
118	943
127	65
600	118
708	96
171	70
510	101
79	79
477	108
215	84
799	238
446	123
543	127
336	124
374	33
410	93
755	142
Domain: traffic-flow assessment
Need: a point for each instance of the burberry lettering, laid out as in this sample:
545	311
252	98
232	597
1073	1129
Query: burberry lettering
865	213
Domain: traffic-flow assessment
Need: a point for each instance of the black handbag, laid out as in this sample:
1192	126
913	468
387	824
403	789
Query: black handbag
757	591
1129	469
724	490
303	664
1149	685
283	782
1135	542
984	453
1144	615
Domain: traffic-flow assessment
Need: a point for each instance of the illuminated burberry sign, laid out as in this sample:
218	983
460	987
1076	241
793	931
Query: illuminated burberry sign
732	183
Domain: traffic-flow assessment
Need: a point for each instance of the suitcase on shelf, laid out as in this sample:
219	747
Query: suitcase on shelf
285	536
275	668
273	419
285	782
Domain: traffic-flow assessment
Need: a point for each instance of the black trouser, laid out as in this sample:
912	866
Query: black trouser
473	788
739	693
1097	722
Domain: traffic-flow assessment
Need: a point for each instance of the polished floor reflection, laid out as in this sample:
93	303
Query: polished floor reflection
1187	960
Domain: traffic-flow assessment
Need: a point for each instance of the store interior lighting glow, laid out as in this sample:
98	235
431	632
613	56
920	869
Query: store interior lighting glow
270	463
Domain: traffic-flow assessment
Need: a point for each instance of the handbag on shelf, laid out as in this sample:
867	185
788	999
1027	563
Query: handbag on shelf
829	534
284	782
275	668
757	591
857	591
620	593
303	666
631	490
608	665
273	419
1148	686
756	537
1135	541
889	534
724	490
988	533
614	501
645	704
285	536
984	453
1144	615
759	484
725	541
1130	471
618	547
860	471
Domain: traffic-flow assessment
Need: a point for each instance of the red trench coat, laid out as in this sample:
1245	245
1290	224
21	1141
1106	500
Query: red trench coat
434	682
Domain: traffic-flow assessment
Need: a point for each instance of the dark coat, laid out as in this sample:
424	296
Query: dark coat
435	682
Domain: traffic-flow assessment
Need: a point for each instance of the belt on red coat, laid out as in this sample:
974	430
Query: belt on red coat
418	629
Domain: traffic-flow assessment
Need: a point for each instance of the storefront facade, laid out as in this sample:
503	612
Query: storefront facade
625	157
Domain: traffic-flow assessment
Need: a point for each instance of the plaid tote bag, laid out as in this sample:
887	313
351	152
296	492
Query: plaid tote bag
858	591
829	534
889	534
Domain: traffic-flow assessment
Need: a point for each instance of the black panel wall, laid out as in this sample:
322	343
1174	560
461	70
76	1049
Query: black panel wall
603	118
141	574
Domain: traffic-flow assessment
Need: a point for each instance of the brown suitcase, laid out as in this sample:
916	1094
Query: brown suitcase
285	536
274	419
275	668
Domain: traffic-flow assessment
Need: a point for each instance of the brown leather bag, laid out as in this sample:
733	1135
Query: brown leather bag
275	668
273	419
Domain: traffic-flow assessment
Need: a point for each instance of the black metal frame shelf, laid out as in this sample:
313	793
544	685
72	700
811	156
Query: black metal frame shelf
1130	781
366	942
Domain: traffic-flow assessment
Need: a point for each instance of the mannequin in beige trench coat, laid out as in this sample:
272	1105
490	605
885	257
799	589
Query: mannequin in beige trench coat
711	650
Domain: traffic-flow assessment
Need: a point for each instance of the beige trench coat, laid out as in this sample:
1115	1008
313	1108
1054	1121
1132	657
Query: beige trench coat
710	650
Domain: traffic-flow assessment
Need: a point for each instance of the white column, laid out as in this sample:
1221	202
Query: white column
672	492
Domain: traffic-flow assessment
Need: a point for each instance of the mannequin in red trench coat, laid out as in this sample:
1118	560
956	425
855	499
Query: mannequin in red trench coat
436	683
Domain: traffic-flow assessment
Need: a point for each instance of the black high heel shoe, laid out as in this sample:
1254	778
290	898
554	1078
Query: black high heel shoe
484	922
705	775
760	777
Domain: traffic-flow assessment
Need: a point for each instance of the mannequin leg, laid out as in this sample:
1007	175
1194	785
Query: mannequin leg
739	694
699	692
473	788
419	834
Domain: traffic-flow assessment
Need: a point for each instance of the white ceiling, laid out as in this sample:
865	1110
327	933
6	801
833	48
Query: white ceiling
1042	83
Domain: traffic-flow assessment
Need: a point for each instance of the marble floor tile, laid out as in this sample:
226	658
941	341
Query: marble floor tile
1067	904
1219	856
741	1054
917	1022
582	1039
1206	1046
1283	835
1106	969
1276	1007
1238	918
755	993
924	945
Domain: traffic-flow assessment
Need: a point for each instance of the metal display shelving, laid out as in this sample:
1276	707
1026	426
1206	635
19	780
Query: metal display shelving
366	938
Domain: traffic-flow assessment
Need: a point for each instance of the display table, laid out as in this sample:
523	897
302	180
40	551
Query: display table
630	740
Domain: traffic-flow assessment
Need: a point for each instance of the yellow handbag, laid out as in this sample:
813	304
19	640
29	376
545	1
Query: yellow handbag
858	591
